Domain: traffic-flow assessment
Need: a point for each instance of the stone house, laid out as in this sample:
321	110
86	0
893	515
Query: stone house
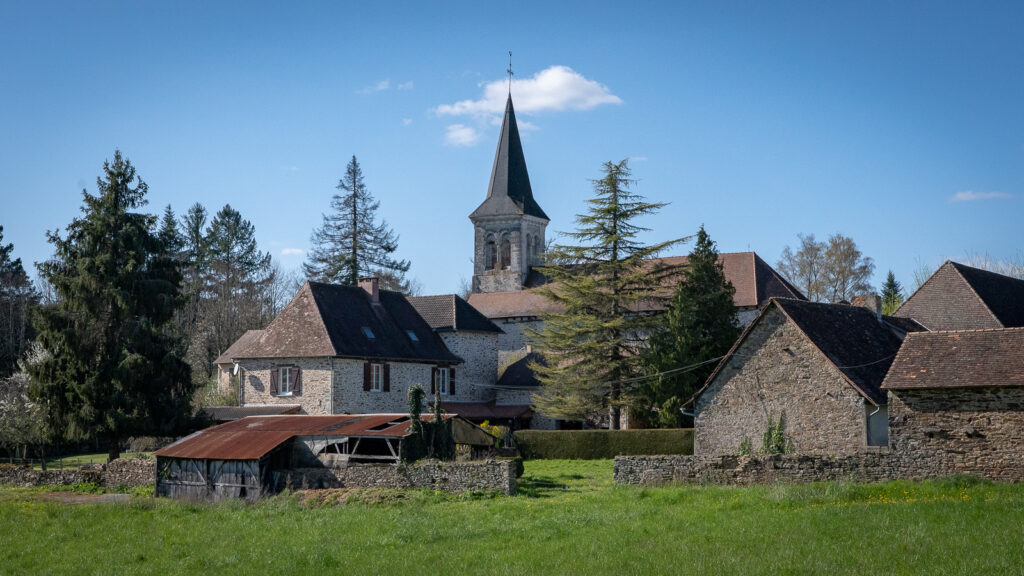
343	349
956	402
959	297
821	365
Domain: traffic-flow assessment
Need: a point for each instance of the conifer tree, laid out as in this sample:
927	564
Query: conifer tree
113	368
892	294
595	345
17	297
700	326
351	243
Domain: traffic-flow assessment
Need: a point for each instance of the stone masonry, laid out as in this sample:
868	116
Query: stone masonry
778	369
491	475
476	376
315	376
960	430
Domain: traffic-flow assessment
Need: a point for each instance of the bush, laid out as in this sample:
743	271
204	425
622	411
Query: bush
600	444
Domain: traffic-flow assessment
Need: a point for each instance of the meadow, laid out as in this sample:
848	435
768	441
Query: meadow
569	518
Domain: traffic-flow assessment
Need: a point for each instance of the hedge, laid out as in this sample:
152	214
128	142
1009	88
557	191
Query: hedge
599	444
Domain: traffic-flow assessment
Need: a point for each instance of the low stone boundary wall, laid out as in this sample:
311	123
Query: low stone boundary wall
494	475
120	472
873	466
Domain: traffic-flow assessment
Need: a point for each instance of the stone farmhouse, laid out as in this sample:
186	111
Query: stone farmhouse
849	379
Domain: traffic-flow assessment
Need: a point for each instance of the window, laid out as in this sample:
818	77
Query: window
443	381
412	336
506	252
368	333
376	377
284	381
491	255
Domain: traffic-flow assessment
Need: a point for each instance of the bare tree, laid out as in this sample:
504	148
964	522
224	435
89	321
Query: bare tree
1012	266
830	271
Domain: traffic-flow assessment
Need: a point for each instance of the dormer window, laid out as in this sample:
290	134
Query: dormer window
368	333
412	336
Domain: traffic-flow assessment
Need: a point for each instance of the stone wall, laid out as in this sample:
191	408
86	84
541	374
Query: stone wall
513	337
778	369
475	377
315	376
977	431
491	475
121	472
755	469
349	396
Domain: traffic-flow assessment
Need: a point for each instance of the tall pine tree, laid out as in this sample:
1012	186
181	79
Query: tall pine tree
114	368
351	243
17	298
595	345
700	327
892	294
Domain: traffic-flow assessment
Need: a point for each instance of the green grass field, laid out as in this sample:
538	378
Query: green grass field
568	519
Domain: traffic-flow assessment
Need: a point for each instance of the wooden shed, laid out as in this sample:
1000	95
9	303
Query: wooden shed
245	458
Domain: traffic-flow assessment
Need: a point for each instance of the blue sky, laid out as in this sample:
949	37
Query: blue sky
898	124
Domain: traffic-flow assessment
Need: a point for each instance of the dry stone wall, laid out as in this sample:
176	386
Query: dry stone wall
121	472
754	469
490	475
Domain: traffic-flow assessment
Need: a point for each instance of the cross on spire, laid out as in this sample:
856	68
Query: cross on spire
509	70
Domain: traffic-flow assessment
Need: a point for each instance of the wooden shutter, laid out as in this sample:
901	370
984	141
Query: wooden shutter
387	377
451	381
433	380
296	382
366	377
273	379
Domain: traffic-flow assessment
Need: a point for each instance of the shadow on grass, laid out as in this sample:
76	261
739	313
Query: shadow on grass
540	487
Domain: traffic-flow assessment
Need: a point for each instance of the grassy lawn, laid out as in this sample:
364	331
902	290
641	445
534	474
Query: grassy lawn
568	519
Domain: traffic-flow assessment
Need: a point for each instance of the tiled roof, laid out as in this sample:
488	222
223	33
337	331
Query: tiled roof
959	297
329	320
509	191
449	312
955	359
519	375
851	337
905	324
754	280
239	345
486	410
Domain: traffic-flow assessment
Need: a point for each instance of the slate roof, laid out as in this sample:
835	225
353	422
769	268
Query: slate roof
754	280
959	359
509	191
246	339
851	337
449	312
328	320
487	410
519	375
230	413
905	324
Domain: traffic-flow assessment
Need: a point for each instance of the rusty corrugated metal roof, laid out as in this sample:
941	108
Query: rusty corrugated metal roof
256	436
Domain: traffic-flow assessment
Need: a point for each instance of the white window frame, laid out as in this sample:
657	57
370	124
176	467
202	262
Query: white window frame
285	386
444	375
376	377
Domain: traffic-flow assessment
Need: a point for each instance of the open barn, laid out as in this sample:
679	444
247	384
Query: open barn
247	458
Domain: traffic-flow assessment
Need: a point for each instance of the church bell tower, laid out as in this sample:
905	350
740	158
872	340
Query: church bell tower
509	225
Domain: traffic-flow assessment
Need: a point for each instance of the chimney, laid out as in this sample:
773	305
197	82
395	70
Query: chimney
372	288
871	301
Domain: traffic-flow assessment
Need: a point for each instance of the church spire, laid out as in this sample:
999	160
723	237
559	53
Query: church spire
509	179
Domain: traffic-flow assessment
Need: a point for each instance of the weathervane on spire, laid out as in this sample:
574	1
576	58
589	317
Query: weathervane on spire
509	72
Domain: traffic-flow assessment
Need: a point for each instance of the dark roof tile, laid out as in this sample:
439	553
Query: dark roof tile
449	312
959	359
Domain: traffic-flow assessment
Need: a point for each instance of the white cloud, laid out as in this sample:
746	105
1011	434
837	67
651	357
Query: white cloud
970	196
553	89
461	135
292	252
378	87
406	121
638	158
405	85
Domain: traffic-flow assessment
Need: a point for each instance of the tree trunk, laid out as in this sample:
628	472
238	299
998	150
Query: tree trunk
614	412
113	450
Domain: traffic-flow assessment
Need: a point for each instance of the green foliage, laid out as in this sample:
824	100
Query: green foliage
700	326
595	345
774	439
114	367
17	299
599	444
746	447
892	294
414	446
442	444
351	243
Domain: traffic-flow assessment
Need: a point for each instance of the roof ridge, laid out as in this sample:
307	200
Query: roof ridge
984	304
969	330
